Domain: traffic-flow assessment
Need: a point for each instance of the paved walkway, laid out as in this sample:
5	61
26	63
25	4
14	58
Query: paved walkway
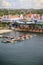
4	31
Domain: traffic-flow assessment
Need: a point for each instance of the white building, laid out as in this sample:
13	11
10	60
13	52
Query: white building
10	18
21	16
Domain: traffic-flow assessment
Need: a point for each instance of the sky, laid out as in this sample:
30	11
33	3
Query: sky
24	4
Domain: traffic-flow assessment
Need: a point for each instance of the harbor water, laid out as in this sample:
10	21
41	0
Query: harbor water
27	52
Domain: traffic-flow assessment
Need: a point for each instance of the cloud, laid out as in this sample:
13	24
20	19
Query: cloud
21	4
25	3
31	3
37	4
41	0
25	0
6	3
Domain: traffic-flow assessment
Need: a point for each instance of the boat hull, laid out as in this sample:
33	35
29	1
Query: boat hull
30	30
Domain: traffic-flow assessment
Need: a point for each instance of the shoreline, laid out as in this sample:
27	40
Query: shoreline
4	31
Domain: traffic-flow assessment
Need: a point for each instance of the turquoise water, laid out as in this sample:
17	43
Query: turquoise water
27	52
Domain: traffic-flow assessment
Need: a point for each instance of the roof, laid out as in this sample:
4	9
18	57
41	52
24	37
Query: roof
29	15
33	15
14	16
10	16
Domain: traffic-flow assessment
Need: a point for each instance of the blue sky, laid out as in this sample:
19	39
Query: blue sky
36	4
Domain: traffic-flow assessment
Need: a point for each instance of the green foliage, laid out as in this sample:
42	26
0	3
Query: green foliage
20	11
4	24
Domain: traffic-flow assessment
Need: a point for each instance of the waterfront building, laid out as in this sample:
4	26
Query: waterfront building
0	18
28	17
10	18
21	16
34	17
41	18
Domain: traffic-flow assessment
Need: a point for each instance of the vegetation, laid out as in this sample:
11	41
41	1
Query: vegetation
4	25
20	11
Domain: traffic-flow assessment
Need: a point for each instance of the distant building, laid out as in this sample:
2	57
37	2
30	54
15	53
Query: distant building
28	17
21	16
10	18
34	17
0	18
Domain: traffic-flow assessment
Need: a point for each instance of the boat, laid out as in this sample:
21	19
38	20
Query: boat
1	36
7	41
30	27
